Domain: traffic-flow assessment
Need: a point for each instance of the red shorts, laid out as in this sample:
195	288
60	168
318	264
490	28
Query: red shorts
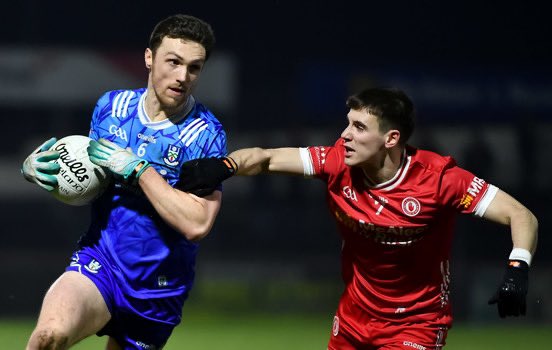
354	329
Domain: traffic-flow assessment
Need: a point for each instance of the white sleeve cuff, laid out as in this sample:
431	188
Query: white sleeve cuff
521	254
308	169
488	197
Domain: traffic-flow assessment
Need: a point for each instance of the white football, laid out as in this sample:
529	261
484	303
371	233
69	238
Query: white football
79	180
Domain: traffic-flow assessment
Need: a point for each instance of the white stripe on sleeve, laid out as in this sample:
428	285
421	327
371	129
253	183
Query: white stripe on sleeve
483	204
125	108
192	130
191	125
122	103
308	169
114	105
191	139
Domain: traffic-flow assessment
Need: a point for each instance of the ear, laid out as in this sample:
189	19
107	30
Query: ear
148	58
392	138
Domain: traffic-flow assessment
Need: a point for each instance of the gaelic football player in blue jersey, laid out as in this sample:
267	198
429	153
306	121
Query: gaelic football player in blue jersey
134	267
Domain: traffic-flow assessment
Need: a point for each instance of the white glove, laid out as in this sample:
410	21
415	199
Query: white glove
39	168
118	160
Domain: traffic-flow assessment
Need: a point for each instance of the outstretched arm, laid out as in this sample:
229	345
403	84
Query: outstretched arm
203	176
253	161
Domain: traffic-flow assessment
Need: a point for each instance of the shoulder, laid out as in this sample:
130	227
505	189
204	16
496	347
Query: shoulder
120	100
433	169
429	160
204	119
120	95
204	113
203	132
328	159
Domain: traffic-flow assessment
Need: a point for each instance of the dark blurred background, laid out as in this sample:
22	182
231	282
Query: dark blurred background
479	74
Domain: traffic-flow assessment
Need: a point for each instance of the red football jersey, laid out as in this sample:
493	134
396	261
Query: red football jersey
397	235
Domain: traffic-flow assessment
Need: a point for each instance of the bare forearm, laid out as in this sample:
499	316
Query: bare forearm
253	161
524	226
506	210
190	215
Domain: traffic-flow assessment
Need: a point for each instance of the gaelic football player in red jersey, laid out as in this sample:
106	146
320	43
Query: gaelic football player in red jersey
395	206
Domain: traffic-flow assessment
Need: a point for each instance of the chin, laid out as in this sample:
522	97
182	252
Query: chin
174	103
349	162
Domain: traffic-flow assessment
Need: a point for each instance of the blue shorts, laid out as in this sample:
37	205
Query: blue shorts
135	323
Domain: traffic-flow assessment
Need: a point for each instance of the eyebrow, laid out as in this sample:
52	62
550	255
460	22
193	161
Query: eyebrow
182	58
173	53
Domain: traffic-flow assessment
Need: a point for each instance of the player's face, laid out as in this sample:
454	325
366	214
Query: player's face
174	71
364	143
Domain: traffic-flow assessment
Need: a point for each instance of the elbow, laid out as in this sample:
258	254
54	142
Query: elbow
534	221
195	233
531	219
196	237
526	225
534	224
195	222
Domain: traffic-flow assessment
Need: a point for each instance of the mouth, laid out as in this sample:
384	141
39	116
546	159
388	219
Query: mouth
177	91
348	151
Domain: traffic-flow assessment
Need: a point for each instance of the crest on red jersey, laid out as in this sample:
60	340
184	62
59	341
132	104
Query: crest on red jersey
411	206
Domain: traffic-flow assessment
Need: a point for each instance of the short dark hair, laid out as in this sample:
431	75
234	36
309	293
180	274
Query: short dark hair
183	27
391	106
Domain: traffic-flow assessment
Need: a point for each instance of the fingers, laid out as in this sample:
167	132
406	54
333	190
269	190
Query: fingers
48	168
509	304
41	164
47	156
102	148
47	182
98	152
508	309
98	160
46	145
45	186
106	143
109	155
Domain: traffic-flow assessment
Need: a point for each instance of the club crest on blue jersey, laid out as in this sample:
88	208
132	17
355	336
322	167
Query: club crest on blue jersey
171	155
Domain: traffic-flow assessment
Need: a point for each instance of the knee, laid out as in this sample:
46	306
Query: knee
48	338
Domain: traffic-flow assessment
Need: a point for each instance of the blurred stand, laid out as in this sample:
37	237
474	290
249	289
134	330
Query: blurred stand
274	246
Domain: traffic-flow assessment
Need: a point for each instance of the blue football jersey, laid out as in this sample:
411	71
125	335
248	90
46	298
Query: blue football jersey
148	258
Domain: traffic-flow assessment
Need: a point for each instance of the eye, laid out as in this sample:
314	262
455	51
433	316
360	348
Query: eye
195	68
359	126
173	62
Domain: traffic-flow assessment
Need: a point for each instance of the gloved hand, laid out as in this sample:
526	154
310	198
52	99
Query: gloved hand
118	160
202	176
511	294
39	168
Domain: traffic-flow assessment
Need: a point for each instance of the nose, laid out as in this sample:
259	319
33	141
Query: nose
182	75
346	133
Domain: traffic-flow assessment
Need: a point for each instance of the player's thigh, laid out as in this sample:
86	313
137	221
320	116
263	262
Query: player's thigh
343	342
409	337
73	306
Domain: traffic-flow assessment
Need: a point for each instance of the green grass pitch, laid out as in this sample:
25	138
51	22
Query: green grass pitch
207	331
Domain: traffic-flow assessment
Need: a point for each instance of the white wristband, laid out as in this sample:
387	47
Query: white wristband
521	254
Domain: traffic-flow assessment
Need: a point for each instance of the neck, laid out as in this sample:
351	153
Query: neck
385	168
156	112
